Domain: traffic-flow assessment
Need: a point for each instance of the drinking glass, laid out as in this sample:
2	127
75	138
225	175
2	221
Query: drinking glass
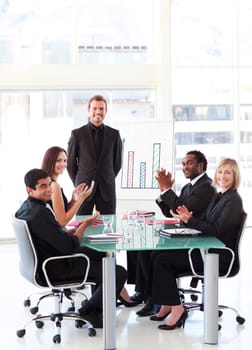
126	230
157	226
140	221
131	216
108	223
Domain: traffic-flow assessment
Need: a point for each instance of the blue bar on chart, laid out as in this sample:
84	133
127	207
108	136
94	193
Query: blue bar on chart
155	163
142	182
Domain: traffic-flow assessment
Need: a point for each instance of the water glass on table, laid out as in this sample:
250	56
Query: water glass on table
108	223
126	230
140	222
131	218
157	226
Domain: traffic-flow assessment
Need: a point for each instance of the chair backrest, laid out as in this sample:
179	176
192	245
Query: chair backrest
27	254
236	266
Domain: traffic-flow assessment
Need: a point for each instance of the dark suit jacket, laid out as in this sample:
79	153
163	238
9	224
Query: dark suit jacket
51	240
222	218
83	164
196	198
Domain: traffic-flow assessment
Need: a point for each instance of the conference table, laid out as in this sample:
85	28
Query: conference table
148	239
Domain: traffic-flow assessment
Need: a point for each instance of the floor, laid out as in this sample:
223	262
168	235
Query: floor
132	332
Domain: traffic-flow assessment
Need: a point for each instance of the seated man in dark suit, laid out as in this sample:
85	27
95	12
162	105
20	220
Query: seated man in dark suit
51	240
196	196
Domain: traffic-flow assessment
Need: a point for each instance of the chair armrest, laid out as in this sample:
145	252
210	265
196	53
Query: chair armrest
221	248
66	257
191	262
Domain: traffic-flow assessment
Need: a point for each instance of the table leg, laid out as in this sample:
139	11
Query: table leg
109	302
211	272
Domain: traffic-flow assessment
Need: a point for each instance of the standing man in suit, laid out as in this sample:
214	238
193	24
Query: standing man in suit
196	196
95	153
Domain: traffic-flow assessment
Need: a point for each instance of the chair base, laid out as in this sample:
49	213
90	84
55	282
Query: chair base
42	296
57	316
57	319
190	306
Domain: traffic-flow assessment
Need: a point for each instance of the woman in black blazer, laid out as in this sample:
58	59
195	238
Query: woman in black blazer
222	219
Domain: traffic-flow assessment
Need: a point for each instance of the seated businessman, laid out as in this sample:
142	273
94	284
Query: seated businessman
196	195
50	239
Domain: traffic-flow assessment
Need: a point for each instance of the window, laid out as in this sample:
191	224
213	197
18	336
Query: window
72	31
31	122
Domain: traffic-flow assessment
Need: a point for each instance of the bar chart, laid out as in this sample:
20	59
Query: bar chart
139	169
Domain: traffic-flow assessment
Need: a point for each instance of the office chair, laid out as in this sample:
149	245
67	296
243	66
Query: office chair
33	300
28	266
233	270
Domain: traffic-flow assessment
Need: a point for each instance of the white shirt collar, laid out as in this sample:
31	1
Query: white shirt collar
193	181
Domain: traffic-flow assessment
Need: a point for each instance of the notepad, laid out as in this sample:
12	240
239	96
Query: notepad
179	232
144	213
112	237
76	223
168	221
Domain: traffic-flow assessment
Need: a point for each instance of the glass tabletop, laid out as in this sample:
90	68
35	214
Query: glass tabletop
143	238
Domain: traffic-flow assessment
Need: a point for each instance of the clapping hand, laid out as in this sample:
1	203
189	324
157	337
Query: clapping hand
92	219
182	213
164	179
82	191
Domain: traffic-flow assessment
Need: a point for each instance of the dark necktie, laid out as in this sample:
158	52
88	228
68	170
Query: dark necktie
189	189
98	140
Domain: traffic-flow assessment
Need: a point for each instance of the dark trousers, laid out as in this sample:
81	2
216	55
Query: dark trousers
75	270
132	266
94	304
95	275
165	268
104	207
138	267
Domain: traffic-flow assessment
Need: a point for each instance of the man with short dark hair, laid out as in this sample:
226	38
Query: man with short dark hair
50	239
196	196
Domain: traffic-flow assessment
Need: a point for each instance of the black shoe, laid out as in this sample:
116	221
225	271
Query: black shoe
137	297
95	318
180	323
156	318
148	310
126	303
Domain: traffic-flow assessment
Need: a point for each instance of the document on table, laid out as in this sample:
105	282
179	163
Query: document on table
179	232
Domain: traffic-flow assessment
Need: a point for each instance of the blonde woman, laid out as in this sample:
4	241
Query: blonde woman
222	219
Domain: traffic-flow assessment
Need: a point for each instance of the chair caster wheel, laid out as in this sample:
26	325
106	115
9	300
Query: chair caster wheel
71	309
240	319
79	324
20	333
57	339
34	310
92	332
39	324
194	297
27	303
219	327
